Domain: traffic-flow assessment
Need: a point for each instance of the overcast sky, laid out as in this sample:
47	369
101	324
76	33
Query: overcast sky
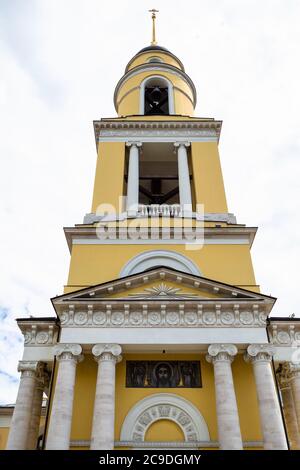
59	63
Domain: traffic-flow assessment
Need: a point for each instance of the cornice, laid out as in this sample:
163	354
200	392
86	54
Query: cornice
38	332
99	235
203	127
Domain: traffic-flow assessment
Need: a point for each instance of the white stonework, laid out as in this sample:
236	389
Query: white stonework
58	437
260	355
103	429
229	433
168	406
42	383
185	194
21	421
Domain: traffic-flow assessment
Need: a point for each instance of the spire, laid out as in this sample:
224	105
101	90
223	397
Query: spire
153	11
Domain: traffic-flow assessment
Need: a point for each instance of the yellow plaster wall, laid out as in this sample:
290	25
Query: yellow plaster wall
143	59
94	264
3	437
207	177
109	178
164	427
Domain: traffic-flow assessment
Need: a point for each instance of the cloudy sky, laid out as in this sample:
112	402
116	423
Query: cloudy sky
59	63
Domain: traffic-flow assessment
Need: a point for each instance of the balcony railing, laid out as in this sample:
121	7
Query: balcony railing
156	210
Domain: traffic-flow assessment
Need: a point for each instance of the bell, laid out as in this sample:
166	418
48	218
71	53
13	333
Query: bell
156	94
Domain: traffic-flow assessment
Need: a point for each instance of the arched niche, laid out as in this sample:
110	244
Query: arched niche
164	406
154	258
156	83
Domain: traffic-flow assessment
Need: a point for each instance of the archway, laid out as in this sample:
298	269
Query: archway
153	258
164	406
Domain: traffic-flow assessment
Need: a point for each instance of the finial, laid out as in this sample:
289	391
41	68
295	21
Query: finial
153	11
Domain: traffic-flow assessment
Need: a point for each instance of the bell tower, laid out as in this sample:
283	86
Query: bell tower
160	337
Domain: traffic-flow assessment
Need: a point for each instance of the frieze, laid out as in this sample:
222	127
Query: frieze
179	315
287	334
39	333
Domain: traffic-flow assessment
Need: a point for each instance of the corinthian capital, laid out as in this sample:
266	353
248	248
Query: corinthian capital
221	352
107	352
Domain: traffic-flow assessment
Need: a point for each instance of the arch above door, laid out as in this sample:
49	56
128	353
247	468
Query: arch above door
162	406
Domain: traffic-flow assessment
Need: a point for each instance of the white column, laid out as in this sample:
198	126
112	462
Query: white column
283	376
103	431
295	385
132	201
34	427
185	195
58	436
229	433
19	429
260	355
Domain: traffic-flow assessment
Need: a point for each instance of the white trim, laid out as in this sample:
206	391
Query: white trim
170	93
193	419
149	259
150	340
137	136
216	241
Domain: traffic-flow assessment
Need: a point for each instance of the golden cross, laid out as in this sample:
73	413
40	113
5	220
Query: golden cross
153	11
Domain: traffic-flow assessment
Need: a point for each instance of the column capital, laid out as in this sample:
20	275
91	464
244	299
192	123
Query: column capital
221	353
107	352
134	144
30	368
294	370
68	352
182	144
283	375
259	353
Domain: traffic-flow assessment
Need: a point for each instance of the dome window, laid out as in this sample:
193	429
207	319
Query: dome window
155	59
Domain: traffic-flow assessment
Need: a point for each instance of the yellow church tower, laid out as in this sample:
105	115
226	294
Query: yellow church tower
162	337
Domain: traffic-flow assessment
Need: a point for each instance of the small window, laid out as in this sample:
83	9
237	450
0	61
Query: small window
155	59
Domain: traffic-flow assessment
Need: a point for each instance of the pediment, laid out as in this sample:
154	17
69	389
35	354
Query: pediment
162	284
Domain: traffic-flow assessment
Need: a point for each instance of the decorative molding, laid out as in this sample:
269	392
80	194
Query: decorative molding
39	333
167	444
162	291
164	406
152	258
197	235
162	131
284	333
188	314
